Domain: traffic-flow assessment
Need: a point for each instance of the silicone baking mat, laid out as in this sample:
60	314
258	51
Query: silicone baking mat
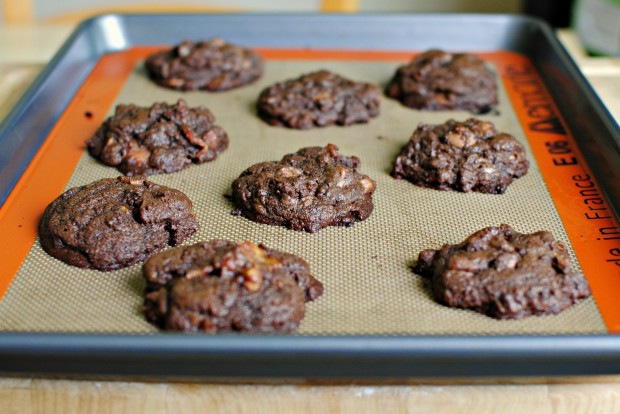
369	288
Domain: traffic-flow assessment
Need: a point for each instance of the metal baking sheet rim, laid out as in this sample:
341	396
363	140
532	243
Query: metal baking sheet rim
310	356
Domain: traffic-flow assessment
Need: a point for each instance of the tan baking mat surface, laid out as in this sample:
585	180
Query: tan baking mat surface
369	288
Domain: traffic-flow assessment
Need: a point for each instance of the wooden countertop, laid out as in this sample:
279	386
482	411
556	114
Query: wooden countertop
24	50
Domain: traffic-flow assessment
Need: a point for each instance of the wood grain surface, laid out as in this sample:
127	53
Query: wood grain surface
60	396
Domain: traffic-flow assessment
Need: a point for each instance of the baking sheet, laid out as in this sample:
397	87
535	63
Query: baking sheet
369	287
330	355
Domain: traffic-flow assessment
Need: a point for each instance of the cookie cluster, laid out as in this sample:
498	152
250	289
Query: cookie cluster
220	285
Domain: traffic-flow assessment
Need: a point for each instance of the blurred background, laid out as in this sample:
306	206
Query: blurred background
557	12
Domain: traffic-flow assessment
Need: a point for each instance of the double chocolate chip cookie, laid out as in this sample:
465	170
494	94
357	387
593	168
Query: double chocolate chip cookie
311	189
318	99
115	222
504	274
212	65
222	286
160	139
462	156
437	80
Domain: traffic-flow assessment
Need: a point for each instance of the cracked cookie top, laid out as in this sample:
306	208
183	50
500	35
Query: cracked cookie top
162	138
115	222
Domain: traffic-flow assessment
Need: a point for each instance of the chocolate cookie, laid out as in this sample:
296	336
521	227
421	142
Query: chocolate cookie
463	156
437	80
115	222
211	65
504	274
160	139
318	99
311	189
221	286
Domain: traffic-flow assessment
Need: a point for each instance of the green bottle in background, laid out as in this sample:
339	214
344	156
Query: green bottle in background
597	23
